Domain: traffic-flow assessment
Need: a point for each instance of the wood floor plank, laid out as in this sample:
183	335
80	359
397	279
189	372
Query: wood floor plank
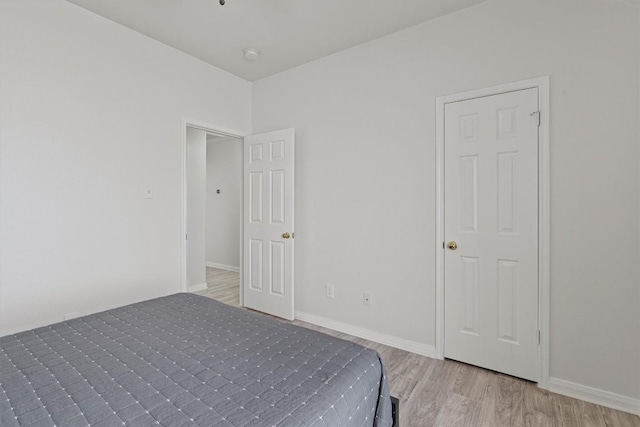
222	285
540	408
405	379
613	418
577	413
430	395
394	359
459	411
472	382
448	393
503	405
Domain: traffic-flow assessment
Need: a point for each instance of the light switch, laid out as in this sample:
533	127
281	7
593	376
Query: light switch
147	192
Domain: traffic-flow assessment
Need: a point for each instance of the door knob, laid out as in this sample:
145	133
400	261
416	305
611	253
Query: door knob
452	245
286	235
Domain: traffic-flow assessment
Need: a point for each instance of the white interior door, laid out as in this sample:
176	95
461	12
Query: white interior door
491	214
269	222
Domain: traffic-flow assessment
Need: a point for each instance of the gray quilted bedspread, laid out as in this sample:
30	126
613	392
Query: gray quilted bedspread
187	360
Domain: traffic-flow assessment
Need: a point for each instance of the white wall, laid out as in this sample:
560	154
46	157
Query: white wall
196	208
365	207
89	112
224	172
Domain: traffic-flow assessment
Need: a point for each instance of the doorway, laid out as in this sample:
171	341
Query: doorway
212	212
493	228
223	217
266	270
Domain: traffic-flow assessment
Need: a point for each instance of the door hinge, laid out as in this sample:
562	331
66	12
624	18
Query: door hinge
186	237
538	336
538	115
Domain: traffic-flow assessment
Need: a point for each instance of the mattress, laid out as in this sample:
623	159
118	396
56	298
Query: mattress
187	360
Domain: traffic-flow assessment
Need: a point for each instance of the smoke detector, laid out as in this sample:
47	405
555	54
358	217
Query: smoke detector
251	54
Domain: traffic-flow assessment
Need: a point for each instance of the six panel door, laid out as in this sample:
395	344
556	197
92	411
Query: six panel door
269	223
491	213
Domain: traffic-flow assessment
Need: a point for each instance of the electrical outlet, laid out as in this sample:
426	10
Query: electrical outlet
366	299
147	192
329	291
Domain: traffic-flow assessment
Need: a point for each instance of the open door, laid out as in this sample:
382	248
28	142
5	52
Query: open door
268	247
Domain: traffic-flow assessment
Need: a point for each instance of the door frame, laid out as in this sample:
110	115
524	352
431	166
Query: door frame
542	84
210	128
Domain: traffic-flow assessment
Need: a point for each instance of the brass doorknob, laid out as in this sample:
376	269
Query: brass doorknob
452	245
286	235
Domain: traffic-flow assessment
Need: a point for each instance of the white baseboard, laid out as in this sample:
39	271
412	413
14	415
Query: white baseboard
368	334
223	266
197	288
594	395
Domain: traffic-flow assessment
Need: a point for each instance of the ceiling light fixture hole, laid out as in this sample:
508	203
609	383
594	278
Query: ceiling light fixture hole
251	54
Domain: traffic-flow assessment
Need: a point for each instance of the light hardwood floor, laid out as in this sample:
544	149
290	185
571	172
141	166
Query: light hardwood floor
223	285
448	393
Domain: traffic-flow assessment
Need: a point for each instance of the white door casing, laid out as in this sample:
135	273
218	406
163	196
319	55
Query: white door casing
209	128
491	212
268	216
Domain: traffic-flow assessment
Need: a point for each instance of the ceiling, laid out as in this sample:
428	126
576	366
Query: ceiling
287	32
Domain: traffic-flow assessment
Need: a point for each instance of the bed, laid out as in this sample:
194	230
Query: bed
187	360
